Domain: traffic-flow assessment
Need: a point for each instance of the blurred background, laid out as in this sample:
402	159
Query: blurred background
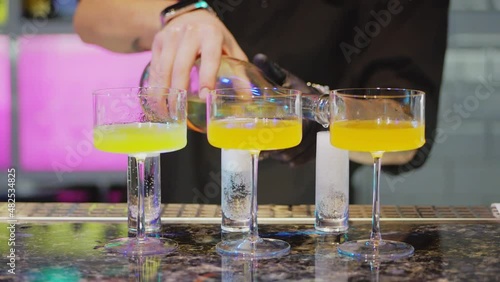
47	75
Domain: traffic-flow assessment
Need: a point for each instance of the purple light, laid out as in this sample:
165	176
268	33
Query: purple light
57	74
5	104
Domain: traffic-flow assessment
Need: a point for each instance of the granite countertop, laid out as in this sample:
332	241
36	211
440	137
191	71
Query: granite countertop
65	251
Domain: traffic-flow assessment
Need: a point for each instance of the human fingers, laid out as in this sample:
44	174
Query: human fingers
211	52
187	52
153	79
163	55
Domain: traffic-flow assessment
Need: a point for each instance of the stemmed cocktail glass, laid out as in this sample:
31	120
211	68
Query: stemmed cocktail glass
376	121
254	119
140	122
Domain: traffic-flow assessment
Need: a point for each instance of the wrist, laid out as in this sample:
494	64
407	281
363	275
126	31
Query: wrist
181	8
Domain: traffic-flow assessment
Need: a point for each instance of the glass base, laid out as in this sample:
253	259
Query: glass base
146	247
385	251
262	248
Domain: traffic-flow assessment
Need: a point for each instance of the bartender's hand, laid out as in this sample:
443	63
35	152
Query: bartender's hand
306	150
185	38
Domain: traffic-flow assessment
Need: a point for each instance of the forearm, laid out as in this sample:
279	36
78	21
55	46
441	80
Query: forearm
119	25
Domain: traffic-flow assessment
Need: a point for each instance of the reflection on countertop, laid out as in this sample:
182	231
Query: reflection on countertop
445	251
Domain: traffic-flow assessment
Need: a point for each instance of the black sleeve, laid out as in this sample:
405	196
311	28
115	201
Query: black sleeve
399	44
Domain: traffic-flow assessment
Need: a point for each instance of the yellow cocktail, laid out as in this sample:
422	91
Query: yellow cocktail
254	120
133	138
254	134
377	120
374	136
141	122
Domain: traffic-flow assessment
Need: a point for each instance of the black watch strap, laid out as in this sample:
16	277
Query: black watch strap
183	7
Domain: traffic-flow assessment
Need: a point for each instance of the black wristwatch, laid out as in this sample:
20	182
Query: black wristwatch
183	7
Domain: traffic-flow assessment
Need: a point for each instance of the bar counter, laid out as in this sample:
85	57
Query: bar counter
64	242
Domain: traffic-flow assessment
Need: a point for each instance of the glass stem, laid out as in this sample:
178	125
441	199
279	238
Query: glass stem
375	270
141	219
375	235
254	230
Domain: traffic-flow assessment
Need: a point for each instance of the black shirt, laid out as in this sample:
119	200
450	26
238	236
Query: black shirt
343	44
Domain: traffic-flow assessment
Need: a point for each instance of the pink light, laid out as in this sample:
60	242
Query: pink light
57	74
5	104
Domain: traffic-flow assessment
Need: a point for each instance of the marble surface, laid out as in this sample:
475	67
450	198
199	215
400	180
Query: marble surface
445	251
